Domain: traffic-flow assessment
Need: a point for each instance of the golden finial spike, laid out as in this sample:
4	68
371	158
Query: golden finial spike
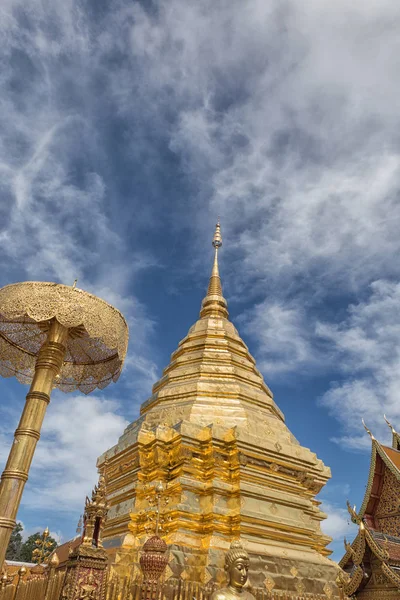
389	424
217	239
367	430
214	303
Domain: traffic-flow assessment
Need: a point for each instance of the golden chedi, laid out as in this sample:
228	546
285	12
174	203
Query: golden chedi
212	432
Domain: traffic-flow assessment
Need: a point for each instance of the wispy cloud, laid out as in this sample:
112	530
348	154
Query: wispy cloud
284	338
75	432
367	345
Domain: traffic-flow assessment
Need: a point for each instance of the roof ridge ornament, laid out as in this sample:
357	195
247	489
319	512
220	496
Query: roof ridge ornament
367	430
388	423
395	435
352	512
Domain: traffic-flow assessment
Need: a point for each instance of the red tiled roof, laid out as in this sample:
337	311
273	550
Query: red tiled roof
389	543
63	550
393	454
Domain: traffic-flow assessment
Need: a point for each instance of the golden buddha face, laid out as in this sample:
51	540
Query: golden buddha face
238	572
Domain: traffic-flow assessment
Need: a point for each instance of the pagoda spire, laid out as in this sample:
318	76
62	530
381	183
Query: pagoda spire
214	304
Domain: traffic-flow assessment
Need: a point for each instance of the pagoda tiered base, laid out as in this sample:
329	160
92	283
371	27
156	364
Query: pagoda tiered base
222	484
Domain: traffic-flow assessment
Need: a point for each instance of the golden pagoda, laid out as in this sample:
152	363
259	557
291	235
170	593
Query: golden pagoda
212	433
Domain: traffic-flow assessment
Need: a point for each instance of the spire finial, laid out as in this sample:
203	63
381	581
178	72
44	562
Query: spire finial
217	239
214	304
395	435
367	430
389	424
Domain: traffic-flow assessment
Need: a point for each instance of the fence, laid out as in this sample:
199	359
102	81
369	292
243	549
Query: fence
46	587
49	587
174	589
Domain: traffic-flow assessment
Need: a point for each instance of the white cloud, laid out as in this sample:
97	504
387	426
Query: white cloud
77	429
338	524
280	108
284	116
368	351
285	343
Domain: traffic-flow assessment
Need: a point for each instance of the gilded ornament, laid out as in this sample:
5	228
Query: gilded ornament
153	559
278	446
97	341
236	567
328	590
269	583
294	571
206	576
300	587
185	574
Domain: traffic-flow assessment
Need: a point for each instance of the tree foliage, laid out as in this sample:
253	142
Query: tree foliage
26	554
23	551
15	544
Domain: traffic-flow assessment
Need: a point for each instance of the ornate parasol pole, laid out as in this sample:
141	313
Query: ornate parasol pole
51	335
28	432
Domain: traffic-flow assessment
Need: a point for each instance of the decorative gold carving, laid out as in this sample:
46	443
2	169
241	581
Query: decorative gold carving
206	576
87	587
269	583
95	514
274	508
300	587
389	523
274	467
168	573
294	571
278	446
243	459
352	512
328	590
185	575
96	347
43	548
157	520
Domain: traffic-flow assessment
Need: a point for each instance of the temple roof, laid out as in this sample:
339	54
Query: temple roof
375	551
370	552
381	457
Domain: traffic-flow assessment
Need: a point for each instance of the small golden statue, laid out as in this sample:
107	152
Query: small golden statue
237	568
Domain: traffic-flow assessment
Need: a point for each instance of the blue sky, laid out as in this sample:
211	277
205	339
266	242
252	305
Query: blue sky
126	128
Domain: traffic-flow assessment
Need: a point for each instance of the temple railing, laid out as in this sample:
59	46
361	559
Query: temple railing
49	587
46	587
174	589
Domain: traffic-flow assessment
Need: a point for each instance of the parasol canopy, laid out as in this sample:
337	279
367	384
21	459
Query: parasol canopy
97	338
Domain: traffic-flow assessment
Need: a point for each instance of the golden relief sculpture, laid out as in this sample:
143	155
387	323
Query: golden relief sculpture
237	564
